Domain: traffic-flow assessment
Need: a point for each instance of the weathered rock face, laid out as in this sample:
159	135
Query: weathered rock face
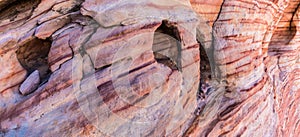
150	68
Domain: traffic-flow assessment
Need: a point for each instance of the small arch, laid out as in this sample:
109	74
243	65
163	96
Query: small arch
167	45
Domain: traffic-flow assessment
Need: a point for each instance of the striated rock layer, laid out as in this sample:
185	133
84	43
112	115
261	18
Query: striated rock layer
149	68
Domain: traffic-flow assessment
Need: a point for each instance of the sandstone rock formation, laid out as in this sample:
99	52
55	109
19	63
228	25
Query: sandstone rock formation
150	68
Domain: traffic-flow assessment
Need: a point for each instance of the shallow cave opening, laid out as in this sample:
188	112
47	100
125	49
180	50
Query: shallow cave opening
167	46
33	55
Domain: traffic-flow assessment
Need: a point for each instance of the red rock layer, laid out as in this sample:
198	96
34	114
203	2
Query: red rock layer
110	68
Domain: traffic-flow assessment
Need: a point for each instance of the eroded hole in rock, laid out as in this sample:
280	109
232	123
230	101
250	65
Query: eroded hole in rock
33	55
166	46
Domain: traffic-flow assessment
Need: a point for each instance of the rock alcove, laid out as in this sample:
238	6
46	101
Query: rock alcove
33	56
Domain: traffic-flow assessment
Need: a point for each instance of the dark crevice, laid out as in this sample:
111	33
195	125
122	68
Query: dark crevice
12	10
205	87
207	73
205	67
167	46
33	55
221	7
292	25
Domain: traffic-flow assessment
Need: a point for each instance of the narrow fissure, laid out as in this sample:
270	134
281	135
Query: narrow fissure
205	68
205	78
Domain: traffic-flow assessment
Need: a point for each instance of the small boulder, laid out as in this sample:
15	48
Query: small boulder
31	83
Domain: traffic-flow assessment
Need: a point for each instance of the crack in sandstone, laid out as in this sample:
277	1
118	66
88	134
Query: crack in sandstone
215	68
293	15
